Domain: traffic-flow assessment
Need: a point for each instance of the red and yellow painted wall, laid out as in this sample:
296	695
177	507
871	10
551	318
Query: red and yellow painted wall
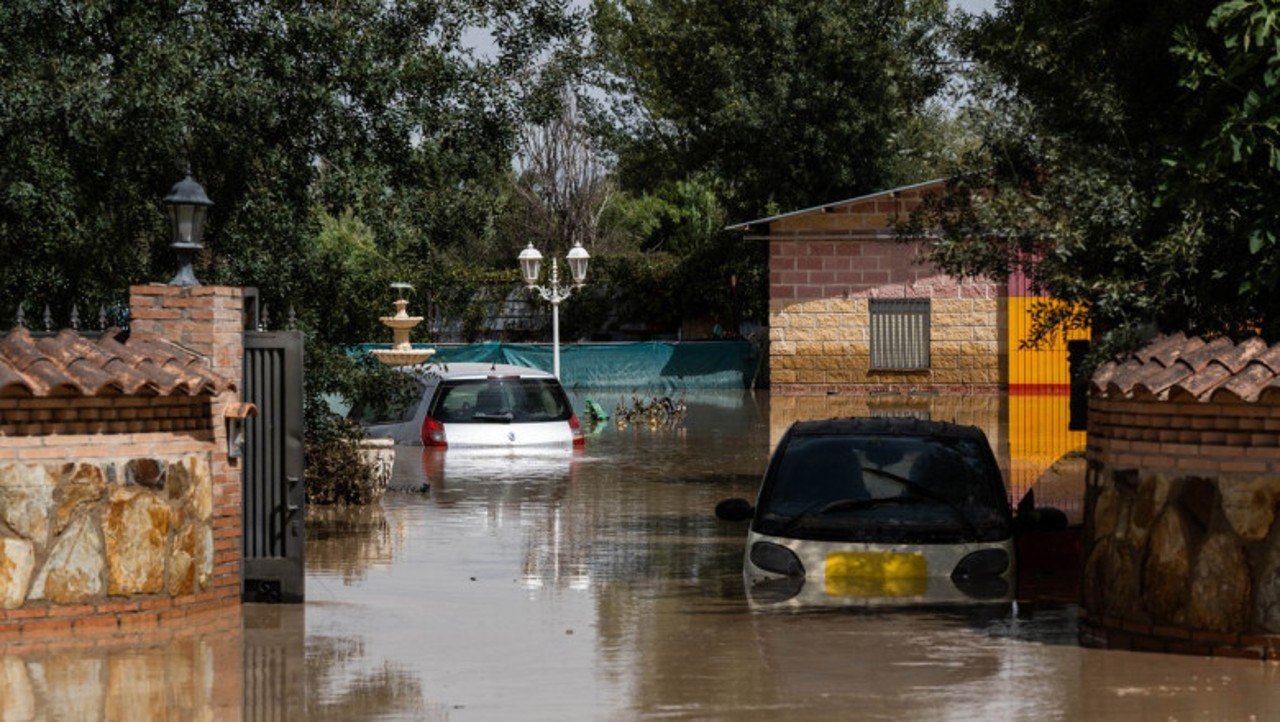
1039	396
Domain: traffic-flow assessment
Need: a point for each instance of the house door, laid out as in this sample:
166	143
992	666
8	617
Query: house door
273	494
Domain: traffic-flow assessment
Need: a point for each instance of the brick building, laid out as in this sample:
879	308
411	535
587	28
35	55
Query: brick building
852	309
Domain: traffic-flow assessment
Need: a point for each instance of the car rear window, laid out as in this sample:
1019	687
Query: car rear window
465	401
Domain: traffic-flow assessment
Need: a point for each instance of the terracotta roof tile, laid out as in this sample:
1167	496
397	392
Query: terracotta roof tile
1270	392
13	383
67	350
1200	358
71	364
1242	355
1167	349
1271	358
1156	380
1123	378
1202	382
1178	367
1247	382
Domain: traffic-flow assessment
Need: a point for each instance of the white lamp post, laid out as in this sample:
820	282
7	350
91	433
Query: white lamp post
530	262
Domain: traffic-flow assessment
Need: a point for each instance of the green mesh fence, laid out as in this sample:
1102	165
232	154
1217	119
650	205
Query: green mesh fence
652	365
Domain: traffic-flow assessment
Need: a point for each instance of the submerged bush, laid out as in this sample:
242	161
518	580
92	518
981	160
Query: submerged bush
337	471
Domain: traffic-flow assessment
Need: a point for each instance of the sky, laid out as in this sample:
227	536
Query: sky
480	40
974	6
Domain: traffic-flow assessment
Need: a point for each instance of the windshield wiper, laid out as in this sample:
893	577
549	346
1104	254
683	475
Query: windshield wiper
927	493
816	510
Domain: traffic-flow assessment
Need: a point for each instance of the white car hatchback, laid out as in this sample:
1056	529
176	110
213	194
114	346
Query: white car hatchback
486	405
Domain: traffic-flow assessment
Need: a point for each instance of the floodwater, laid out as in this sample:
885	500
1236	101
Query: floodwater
598	585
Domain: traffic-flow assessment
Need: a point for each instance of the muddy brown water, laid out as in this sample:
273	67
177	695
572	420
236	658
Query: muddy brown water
597	585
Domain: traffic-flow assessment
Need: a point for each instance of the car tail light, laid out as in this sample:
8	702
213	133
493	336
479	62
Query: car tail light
579	439
433	433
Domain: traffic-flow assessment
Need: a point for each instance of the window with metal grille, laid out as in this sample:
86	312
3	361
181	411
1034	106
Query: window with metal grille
899	333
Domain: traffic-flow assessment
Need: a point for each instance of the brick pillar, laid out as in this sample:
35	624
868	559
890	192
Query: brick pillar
206	320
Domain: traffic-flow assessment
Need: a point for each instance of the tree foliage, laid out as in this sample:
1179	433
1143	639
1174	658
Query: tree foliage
291	114
672	259
1126	164
786	103
1234	71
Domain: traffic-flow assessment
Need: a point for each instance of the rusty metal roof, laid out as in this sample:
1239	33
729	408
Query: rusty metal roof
70	364
1178	368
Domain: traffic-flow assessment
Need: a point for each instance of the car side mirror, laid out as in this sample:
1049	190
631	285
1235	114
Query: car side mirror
735	510
1040	520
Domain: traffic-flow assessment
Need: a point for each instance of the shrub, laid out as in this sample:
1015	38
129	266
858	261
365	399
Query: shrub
337	471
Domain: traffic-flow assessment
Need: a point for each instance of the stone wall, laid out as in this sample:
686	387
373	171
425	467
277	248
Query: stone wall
121	509
1181	541
87	533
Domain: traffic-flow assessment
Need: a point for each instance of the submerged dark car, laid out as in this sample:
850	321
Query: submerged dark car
879	510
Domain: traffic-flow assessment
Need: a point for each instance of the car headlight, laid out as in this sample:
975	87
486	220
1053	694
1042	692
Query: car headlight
777	559
982	563
979	574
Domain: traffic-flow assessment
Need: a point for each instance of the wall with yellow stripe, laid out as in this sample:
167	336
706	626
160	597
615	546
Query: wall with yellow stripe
1039	402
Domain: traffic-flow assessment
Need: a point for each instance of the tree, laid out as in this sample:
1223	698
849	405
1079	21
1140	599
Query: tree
288	113
1125	165
786	103
1231	182
563	184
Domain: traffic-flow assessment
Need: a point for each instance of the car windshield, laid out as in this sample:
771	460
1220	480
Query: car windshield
520	400
875	488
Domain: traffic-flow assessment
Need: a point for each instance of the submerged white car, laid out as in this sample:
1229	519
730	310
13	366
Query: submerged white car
872	511
486	405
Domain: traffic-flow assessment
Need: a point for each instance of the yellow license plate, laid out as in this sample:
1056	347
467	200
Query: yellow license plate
876	574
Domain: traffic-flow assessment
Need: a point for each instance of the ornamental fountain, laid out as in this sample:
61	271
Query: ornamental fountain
401	353
380	453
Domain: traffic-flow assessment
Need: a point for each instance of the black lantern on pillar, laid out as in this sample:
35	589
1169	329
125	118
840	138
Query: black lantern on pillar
186	205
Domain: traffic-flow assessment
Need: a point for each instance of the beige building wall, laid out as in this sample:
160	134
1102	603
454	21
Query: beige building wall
825	345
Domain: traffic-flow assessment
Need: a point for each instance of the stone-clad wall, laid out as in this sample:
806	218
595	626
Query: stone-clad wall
1181	541
122	510
90	532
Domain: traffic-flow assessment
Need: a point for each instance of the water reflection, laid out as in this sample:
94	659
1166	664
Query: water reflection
599	586
349	688
350	541
186	671
290	673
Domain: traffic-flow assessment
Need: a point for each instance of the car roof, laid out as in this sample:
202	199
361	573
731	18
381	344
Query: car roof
473	370
888	426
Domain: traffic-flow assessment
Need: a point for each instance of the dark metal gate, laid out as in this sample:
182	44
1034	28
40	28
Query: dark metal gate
273	494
